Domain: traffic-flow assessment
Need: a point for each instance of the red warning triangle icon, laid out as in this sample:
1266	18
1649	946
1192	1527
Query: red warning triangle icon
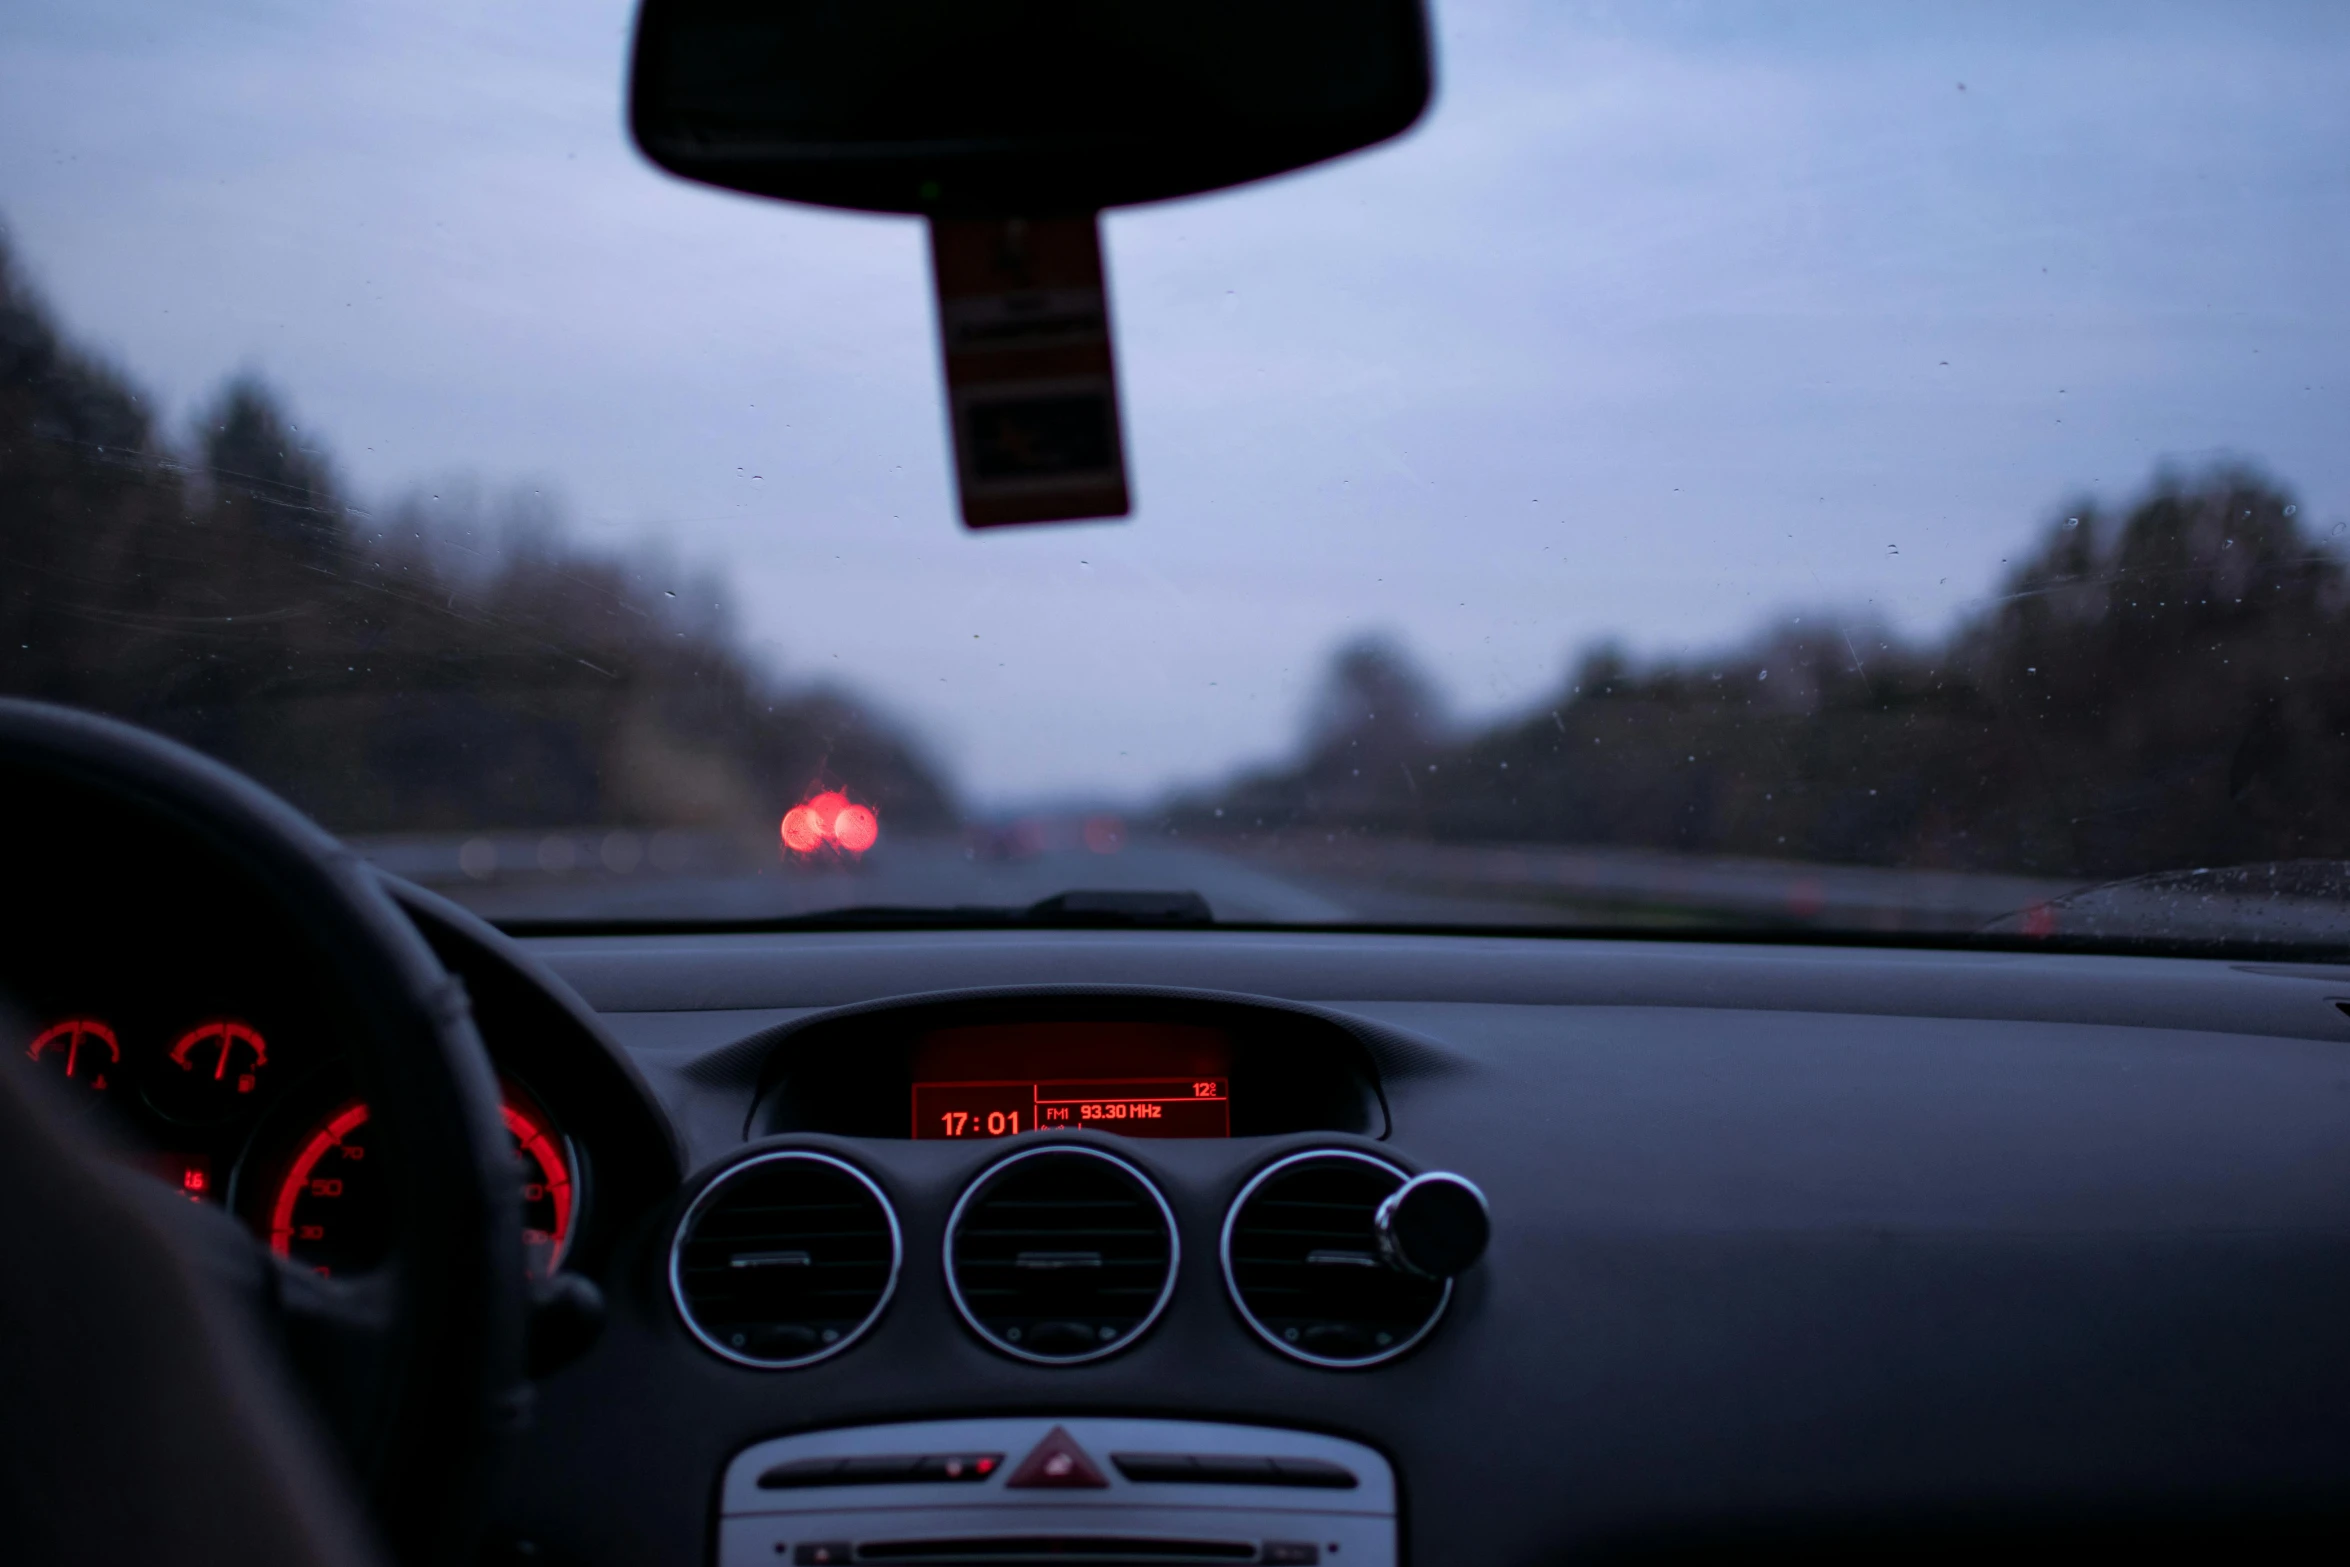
1057	1463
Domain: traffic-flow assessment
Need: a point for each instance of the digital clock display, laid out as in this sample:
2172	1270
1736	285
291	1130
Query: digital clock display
1134	1079
1135	1107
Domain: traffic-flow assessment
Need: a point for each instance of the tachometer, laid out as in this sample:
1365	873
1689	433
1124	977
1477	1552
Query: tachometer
327	1211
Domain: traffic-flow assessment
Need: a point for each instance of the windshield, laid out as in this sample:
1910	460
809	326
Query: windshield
1733	467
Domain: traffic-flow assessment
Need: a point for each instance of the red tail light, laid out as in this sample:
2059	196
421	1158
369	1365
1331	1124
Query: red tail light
830	821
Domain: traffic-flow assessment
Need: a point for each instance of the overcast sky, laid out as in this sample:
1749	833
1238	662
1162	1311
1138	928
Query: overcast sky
1668	319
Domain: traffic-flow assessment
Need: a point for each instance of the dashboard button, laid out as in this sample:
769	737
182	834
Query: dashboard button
800	1472
1314	1472
883	1469
1157	1468
956	1468
826	1554
1232	1469
1057	1463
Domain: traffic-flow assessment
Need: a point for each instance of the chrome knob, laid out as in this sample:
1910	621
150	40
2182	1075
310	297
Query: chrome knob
1433	1225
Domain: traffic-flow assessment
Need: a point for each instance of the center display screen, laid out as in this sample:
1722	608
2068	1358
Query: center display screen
1135	1079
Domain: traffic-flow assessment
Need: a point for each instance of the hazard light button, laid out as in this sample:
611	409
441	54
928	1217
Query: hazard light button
1057	1463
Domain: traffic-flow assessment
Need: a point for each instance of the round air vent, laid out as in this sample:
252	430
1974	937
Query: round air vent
1061	1255
784	1259
1303	1261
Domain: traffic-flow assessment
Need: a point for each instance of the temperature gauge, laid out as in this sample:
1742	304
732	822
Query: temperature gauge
81	1049
211	1071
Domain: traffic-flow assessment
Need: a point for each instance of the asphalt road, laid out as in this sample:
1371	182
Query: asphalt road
625	876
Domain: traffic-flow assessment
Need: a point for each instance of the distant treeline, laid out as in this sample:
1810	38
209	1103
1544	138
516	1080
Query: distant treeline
373	671
2166	688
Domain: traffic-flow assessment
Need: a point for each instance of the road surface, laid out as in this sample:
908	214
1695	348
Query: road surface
625	876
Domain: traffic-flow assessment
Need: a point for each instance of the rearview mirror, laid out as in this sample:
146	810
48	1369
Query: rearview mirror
1017	108
1011	124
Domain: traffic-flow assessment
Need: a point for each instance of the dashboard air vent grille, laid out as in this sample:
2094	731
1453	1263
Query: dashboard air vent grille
784	1259
1061	1255
1302	1258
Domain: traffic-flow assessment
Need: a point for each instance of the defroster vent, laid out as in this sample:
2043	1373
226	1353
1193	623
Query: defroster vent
784	1259
1303	1262
1061	1255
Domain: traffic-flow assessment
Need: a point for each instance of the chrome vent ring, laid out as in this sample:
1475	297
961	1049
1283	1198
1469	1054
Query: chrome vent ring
1061	1255
785	1259
1305	1267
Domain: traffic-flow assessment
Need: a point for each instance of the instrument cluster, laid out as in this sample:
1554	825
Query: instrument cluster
252	1107
167	996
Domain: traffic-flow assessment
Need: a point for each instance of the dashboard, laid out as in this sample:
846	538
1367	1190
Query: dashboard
1792	1248
1024	1246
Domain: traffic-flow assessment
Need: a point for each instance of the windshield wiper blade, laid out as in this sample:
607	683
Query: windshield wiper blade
1077	909
1086	906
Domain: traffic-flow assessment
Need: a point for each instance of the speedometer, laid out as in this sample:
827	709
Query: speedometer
327	1208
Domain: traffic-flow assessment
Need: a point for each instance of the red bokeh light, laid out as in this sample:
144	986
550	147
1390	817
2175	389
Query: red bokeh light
830	820
803	830
855	828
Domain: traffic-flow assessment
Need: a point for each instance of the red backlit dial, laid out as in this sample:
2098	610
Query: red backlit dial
330	1212
82	1048
210	1072
223	1051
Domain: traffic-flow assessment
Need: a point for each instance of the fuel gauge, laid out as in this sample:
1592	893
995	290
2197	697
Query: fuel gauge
210	1073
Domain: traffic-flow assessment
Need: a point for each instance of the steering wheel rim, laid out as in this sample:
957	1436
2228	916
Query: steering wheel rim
452	1385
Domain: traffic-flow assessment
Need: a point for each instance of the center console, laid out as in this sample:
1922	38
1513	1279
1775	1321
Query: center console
1039	1489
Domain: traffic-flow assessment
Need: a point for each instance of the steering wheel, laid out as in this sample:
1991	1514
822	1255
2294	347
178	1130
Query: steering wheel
418	1368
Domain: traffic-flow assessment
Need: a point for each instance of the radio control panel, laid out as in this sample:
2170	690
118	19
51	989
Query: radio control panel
1040	1489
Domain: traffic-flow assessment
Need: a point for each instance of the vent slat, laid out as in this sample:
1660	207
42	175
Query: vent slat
795	1204
1062	1200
